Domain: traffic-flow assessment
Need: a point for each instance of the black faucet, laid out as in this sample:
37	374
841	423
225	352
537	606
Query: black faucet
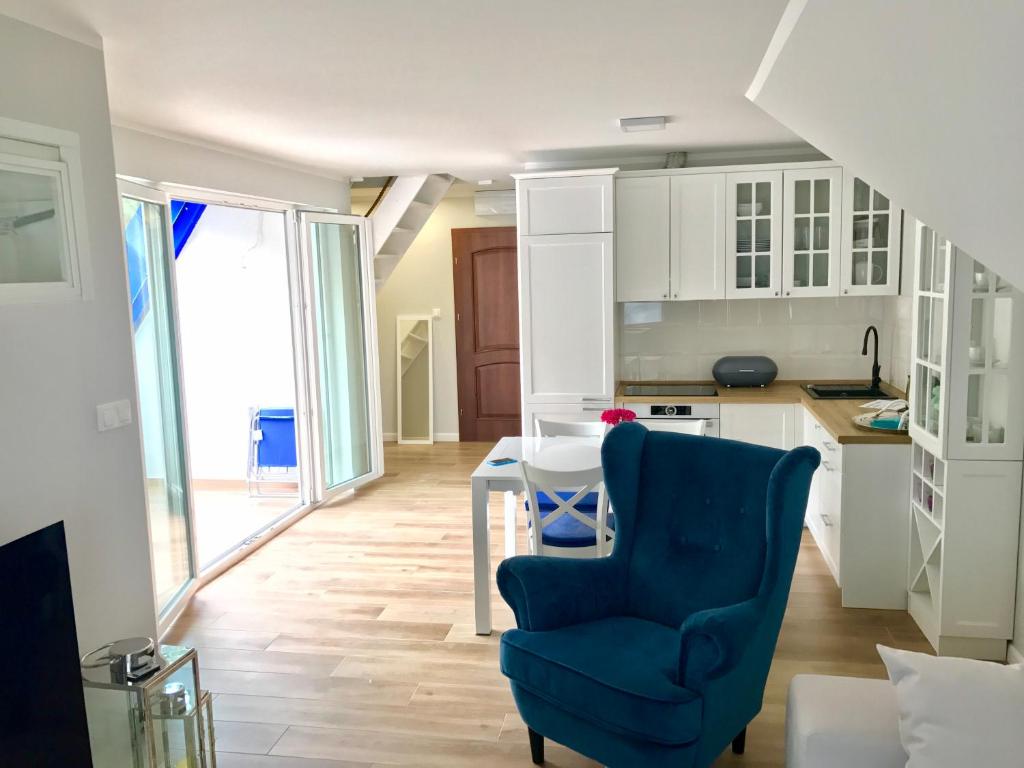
876	379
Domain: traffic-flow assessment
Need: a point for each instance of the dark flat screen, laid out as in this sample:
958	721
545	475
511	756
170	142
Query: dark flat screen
42	708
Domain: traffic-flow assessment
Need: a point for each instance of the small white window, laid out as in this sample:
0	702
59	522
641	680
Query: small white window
42	214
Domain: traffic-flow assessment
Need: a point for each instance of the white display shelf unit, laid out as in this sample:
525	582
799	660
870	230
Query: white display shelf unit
962	563
968	433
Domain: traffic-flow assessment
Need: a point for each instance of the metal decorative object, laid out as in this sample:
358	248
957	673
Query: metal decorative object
146	708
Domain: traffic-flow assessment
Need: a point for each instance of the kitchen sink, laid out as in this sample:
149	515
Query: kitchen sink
845	392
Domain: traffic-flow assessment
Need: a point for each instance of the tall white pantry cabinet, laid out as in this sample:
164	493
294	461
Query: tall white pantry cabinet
967	424
566	295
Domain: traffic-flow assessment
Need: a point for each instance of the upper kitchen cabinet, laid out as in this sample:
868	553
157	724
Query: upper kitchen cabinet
810	232
669	237
642	231
968	334
753	232
579	202
566	315
871	241
697	246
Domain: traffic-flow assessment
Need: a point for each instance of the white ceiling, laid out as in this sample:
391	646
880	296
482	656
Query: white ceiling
472	87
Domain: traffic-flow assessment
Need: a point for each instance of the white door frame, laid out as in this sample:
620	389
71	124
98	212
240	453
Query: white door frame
183	597
305	218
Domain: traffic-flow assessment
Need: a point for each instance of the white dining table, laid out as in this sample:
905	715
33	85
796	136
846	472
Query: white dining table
557	453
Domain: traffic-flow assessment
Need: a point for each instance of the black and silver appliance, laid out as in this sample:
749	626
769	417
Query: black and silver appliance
677	417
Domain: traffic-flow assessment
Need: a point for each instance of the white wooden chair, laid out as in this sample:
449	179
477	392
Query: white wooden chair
565	530
554	428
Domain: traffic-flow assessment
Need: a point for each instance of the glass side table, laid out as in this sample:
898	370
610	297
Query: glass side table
162	719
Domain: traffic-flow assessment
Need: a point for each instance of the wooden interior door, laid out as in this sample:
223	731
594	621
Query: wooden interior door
487	332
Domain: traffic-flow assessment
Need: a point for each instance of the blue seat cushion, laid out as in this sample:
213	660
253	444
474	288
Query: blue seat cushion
587	504
567	531
618	673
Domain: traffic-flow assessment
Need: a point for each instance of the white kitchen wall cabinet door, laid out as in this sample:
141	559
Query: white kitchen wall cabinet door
812	213
698	237
753	235
773	425
871	241
642	229
566	204
566	316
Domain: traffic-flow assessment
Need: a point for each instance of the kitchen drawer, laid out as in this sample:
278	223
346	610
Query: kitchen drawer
818	437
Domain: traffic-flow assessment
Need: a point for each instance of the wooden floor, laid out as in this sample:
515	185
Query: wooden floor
347	642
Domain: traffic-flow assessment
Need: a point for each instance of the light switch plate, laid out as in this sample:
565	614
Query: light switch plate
113	415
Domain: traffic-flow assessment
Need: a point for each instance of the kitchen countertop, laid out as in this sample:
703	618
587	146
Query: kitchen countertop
834	415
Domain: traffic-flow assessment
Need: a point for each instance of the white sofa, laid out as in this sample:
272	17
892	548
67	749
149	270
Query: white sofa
842	722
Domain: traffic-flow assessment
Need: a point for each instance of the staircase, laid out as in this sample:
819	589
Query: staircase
413	343
400	215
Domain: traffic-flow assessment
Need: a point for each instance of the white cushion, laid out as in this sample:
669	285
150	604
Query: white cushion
842	722
957	712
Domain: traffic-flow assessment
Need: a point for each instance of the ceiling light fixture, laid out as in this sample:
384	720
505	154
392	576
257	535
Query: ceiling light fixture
485	182
633	124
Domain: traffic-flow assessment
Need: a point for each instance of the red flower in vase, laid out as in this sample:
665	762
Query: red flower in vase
615	416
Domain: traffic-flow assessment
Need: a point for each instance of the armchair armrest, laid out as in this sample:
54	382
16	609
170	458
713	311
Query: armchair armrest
712	642
551	592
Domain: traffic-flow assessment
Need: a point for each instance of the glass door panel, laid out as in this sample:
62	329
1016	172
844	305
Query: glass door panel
344	340
810	251
752	234
159	404
870	248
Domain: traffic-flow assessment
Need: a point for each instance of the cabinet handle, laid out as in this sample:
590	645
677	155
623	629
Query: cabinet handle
827	444
594	400
664	295
828	466
825	520
776	293
676	296
845	290
602	410
787	293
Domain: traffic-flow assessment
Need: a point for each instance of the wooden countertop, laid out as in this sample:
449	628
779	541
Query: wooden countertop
834	415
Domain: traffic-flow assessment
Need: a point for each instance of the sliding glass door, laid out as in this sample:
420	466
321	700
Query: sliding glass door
146	220
348	444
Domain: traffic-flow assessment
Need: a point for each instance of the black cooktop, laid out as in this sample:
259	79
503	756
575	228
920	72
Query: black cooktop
669	390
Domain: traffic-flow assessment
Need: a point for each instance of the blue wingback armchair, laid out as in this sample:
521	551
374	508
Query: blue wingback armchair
658	654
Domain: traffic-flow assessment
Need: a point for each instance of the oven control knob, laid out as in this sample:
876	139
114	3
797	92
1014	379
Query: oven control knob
670	410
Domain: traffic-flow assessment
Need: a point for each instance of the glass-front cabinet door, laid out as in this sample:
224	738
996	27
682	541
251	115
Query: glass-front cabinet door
930	329
810	232
968	333
753	231
871	241
985	414
342	335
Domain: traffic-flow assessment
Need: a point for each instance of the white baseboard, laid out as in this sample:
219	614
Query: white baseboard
439	437
1014	655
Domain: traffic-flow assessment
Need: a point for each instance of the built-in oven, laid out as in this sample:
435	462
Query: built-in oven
678	417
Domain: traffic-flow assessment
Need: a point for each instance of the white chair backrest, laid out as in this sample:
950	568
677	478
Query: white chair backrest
555	428
578	483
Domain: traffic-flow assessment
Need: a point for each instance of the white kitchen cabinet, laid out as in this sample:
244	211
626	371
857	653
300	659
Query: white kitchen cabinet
642	232
870	259
753	230
812	214
670	237
562	204
966	423
566	318
855	513
773	425
697	245
590	411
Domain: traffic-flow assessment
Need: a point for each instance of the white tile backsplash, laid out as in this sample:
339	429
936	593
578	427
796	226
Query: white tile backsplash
807	338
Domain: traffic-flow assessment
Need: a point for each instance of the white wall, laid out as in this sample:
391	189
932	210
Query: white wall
235	325
161	159
423	280
922	99
807	338
60	360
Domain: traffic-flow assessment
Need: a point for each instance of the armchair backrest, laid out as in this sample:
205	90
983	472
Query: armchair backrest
697	516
